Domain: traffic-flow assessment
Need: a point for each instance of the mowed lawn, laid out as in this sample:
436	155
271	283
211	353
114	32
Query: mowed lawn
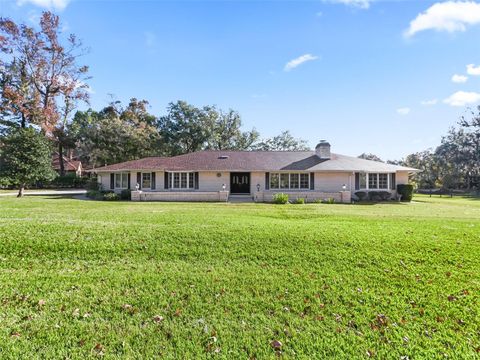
84	279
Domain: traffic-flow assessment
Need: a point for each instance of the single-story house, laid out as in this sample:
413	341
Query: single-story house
256	175
70	165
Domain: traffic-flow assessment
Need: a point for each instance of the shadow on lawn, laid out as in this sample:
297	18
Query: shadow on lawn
380	203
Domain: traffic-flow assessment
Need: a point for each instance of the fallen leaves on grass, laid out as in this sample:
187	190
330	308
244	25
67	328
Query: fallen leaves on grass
276	344
99	349
158	318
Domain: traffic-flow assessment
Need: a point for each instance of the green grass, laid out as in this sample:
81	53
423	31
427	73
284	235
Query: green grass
81	279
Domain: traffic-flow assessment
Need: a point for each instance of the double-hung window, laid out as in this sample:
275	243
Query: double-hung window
182	180
146	180
374	181
383	181
289	181
121	180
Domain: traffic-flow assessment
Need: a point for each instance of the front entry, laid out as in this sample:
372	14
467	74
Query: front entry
240	183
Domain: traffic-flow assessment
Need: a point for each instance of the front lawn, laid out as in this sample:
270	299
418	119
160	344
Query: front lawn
83	279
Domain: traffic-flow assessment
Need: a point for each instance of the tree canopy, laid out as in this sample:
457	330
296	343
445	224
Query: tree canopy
25	158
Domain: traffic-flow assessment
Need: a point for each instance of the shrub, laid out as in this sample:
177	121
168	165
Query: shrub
280	198
406	190
362	195
317	201
92	184
299	201
91	194
385	195
110	196
329	201
126	194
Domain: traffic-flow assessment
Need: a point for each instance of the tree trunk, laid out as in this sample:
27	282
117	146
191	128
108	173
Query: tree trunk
20	190
60	159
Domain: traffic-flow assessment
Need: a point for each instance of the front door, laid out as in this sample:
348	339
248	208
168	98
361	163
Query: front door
240	183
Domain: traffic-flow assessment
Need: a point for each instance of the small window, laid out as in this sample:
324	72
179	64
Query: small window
283	181
191	181
304	181
146	180
274	181
183	180
294	181
176	180
121	181
372	181
363	181
383	181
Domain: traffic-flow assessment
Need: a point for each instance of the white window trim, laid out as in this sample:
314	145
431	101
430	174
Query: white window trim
121	180
289	188
378	182
171	183
149	187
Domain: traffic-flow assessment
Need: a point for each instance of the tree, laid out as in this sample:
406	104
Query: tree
115	134
283	142
427	162
368	156
41	80
25	158
226	132
187	128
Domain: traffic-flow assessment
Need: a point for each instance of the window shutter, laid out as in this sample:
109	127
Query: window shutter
312	181
393	180
154	185
128	181
139	180
357	181
165	180
267	181
112	181
196	181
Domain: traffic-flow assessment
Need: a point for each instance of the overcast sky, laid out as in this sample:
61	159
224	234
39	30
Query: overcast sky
387	77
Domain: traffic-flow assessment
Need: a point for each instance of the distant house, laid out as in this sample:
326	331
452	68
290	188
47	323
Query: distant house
71	166
220	175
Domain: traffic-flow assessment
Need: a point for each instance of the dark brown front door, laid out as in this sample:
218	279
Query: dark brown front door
240	183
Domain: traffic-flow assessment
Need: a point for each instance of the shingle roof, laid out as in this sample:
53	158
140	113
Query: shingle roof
253	161
69	165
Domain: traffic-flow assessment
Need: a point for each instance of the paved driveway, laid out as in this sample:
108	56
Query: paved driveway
46	192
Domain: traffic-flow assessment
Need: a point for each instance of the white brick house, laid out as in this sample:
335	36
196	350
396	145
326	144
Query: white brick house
258	175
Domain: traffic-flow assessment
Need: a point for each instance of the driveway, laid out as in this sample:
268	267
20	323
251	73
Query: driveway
45	192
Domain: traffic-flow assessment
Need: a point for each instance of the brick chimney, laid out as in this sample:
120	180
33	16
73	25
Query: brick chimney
323	150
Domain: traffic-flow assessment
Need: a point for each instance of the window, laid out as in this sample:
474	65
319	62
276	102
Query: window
274	181
191	181
304	181
363	181
284	181
375	181
289	181
383	181
182	180
146	180
121	181
372	181
294	181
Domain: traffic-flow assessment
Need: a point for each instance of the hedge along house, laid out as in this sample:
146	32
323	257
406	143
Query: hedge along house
256	175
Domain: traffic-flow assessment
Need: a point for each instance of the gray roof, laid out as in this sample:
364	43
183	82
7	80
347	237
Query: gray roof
254	161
